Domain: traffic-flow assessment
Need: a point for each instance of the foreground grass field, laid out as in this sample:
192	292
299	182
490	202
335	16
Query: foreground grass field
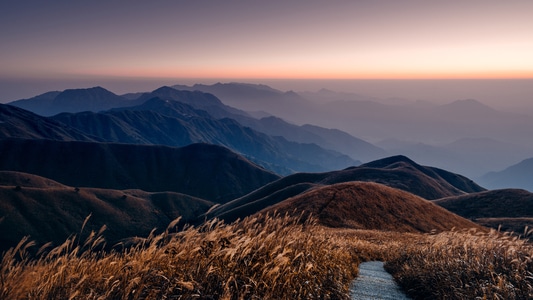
270	258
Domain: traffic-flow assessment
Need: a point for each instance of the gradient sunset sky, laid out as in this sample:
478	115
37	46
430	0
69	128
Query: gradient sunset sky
266	39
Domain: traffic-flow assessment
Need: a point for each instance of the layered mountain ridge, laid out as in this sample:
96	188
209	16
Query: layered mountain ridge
201	170
141	160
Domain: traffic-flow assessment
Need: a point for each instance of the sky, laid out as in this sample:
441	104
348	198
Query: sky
133	44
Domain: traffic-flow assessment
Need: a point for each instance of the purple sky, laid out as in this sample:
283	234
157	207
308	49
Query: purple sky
126	43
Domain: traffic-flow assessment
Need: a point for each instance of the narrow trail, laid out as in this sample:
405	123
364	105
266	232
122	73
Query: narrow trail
374	282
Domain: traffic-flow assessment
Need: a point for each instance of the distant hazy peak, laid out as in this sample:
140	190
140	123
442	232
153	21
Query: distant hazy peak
468	104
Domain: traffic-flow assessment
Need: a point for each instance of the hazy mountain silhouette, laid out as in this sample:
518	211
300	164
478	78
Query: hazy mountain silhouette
516	176
73	100
257	97
411	122
186	104
370	119
53	212
512	209
205	171
340	141
438	123
366	205
472	157
19	123
326	138
196	99
173	123
447	136
398	172
249	97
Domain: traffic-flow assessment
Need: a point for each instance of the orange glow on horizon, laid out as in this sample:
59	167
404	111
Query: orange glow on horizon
306	74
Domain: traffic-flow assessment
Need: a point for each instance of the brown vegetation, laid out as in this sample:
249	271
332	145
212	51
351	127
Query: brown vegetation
505	209
466	265
53	213
271	258
366	205
397	172
274	259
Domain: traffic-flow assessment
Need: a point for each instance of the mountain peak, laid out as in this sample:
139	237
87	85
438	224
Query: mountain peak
95	89
72	100
388	161
468	104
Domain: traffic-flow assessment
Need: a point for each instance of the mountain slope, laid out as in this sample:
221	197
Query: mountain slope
397	172
516	176
19	123
205	171
168	122
253	97
274	126
510	208
326	138
365	205
12	178
196	99
53	213
73	100
186	105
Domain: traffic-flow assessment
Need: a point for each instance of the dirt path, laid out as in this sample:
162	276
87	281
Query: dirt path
374	282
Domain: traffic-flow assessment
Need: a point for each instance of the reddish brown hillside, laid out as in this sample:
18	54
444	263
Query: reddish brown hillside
507	209
11	178
365	205
53	214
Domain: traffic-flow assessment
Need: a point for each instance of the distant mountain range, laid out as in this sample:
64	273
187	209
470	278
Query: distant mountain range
19	123
73	100
448	136
464	136
161	122
371	119
195	112
138	161
519	175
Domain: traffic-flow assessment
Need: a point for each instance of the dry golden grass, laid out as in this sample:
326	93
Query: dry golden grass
466	265
270	257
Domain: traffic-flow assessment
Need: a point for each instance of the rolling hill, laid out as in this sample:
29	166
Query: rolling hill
51	212
397	172
205	171
366	205
512	209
